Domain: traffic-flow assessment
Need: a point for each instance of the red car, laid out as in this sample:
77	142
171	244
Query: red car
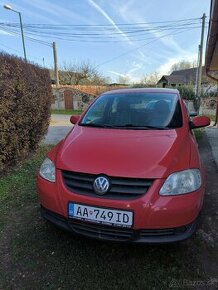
129	170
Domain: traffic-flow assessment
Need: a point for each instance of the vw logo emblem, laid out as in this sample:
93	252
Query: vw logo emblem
101	185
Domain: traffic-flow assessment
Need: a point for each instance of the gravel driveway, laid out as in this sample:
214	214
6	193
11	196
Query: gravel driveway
59	127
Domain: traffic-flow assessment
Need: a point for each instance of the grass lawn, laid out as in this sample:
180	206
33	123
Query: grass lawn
212	117
198	133
36	255
66	112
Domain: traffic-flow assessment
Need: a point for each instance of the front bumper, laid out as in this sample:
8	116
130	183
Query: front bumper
151	211
108	233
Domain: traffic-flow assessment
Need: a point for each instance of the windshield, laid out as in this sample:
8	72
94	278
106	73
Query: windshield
135	111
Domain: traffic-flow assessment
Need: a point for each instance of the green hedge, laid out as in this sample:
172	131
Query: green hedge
186	92
25	101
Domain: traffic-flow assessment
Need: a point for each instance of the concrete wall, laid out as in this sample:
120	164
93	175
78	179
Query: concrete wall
80	99
208	106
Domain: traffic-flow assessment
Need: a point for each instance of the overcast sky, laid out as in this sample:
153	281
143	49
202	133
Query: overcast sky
159	55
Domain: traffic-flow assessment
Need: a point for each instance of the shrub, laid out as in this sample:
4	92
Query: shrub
186	92
138	85
25	100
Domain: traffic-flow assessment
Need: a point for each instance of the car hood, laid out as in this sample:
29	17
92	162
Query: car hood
124	153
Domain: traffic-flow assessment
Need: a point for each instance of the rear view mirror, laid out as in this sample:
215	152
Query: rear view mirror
199	121
74	119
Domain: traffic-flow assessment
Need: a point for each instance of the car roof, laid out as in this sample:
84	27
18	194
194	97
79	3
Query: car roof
142	90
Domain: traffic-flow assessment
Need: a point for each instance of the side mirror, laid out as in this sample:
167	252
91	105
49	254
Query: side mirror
199	121
74	119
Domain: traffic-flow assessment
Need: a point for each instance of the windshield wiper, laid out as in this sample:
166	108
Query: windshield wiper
157	127
97	125
126	126
131	126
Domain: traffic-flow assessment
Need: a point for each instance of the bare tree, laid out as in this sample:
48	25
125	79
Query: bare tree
76	73
123	79
151	79
67	73
84	71
183	64
99	80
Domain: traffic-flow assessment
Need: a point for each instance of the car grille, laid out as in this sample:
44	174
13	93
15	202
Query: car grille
101	231
121	188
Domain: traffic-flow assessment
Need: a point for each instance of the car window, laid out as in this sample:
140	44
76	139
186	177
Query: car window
139	111
97	112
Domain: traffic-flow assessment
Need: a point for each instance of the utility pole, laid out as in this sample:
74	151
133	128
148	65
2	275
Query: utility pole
198	90
56	73
196	77
55	64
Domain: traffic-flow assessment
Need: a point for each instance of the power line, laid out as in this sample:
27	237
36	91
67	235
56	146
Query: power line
66	27
34	28
108	25
99	34
110	39
134	49
3	45
104	33
30	38
99	37
8	47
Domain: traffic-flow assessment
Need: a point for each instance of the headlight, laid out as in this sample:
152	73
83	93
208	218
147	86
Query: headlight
47	170
181	182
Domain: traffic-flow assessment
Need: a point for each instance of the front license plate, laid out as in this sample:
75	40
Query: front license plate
100	215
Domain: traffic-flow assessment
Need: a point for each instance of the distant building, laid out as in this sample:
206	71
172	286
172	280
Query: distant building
68	97
180	77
